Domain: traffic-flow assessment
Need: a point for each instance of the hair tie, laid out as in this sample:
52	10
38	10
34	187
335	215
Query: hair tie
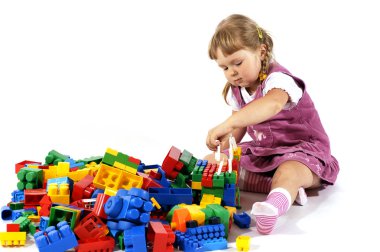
259	32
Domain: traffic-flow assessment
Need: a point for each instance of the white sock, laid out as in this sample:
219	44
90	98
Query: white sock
301	198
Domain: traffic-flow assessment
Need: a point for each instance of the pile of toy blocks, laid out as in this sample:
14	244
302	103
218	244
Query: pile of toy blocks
116	201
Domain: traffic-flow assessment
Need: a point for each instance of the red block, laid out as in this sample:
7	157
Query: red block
12	227
32	197
171	164
81	190
104	244
160	237
98	210
91	226
22	164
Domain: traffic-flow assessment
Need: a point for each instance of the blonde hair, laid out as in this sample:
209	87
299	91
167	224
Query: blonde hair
238	32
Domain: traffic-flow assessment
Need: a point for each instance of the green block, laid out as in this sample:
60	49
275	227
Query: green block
197	174
230	177
217	192
208	212
188	161
24	223
16	205
180	181
58	214
218	180
96	159
221	212
54	157
120	238
29	178
110	159
32	228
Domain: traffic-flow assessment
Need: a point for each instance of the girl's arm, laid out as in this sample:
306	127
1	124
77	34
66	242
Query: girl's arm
255	112
237	133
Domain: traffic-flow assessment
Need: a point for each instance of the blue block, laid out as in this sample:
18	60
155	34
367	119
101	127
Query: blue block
56	240
6	213
229	195
44	220
134	239
171	196
127	207
17	195
242	220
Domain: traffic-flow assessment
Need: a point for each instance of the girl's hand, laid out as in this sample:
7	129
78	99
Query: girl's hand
217	135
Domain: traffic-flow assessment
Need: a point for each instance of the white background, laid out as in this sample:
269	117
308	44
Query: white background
81	76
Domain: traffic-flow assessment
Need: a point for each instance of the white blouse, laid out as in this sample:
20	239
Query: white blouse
274	80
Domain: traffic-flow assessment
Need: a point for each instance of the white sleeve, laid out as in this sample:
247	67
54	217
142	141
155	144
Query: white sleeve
231	100
286	83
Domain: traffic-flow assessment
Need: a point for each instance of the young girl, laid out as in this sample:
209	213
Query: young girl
290	149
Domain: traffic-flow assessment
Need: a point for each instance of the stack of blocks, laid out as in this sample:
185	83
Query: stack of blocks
116	200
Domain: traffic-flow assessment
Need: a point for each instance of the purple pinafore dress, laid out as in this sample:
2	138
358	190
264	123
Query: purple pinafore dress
294	134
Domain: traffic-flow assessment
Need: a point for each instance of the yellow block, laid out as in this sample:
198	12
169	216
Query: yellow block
12	238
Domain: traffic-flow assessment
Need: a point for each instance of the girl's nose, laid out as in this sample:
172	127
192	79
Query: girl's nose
233	72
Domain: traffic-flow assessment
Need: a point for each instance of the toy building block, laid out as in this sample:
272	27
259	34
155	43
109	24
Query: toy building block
171	164
59	194
59	181
56	240
24	223
44	223
209	199
171	196
242	220
98	210
33	197
91	226
179	219
196	213
160	237
121	161
73	164
134	239
180	181
29	178
61	213
105	244
54	157
6	213
12	238
115	179
189	162
222	213
22	164
17	195
95	159
62	169
203	238
243	243
45	204
133	206
147	181
16	205
229	195
13	227
83	189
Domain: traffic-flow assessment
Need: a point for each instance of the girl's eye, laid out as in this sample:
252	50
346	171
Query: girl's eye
239	63
225	68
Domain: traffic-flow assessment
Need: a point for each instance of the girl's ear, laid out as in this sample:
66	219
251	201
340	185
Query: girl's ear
263	51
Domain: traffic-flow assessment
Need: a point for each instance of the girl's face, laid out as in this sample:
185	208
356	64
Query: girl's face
242	68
